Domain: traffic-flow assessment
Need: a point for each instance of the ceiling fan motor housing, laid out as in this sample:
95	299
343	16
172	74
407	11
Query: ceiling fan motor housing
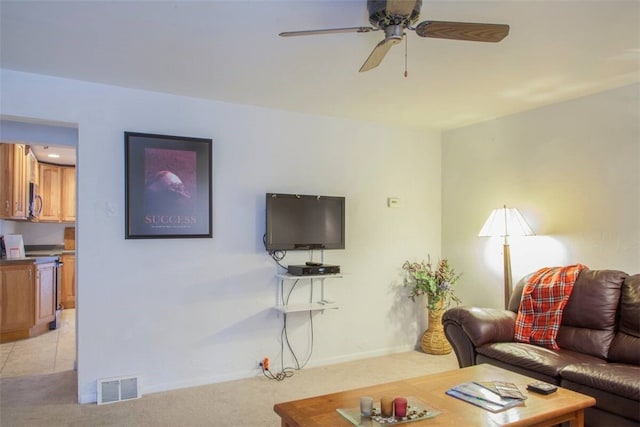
380	18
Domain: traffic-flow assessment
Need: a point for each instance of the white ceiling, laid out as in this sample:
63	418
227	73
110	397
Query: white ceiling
231	51
65	155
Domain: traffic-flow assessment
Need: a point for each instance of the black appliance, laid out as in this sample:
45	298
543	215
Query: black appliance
302	222
35	201
312	270
57	295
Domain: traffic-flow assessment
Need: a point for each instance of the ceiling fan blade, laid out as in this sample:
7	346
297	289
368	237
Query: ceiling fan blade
463	31
400	7
328	31
377	55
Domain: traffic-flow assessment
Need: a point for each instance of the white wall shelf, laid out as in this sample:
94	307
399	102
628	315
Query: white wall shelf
287	276
320	304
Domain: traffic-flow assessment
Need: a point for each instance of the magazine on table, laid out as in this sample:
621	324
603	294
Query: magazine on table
484	396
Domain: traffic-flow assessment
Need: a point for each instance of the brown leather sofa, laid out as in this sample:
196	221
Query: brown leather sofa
599	340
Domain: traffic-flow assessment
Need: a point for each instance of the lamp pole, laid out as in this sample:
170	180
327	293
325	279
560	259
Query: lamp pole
507	274
507	261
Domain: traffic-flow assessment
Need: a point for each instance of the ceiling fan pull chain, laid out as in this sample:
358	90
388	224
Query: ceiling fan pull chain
406	47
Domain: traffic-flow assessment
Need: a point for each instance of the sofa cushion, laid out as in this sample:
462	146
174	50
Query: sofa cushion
608	383
589	318
618	378
626	344
534	358
607	403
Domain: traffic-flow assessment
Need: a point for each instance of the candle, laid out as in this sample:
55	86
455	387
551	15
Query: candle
400	407
386	407
366	406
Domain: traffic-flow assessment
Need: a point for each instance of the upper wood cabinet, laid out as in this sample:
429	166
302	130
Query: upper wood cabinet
68	203
20	183
58	191
50	191
14	189
6	180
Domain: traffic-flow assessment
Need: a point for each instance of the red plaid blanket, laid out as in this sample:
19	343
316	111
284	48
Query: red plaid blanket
543	299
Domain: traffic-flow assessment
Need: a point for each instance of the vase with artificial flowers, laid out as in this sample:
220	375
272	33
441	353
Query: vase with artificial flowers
436	284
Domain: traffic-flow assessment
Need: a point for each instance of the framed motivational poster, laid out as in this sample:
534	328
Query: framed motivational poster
168	186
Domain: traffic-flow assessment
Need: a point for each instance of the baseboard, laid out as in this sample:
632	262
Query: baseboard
359	356
239	375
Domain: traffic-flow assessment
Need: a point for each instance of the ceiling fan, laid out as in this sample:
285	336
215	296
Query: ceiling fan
396	16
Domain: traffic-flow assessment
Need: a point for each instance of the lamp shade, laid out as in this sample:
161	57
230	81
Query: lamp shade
505	222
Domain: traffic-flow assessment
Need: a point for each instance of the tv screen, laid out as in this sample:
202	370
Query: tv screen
299	222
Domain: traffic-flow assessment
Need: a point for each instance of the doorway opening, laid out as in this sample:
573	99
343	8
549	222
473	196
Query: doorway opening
55	350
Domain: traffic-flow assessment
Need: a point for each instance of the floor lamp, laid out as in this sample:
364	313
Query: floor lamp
506	222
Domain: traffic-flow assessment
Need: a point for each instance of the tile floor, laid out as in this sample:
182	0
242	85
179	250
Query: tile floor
53	351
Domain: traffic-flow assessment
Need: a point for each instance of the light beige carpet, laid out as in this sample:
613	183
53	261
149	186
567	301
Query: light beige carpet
51	400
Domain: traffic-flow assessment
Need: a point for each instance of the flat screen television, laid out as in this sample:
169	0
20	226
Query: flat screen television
301	222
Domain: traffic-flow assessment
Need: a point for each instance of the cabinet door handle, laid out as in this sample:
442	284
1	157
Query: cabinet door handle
38	210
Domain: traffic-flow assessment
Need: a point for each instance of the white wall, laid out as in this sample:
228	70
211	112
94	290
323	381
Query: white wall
35	233
572	169
182	312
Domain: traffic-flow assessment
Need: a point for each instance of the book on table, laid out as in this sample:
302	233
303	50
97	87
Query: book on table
486	395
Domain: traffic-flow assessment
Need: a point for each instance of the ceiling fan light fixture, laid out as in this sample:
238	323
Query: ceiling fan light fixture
393	12
395	16
394	33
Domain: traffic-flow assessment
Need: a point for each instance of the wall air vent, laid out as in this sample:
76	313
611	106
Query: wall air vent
112	390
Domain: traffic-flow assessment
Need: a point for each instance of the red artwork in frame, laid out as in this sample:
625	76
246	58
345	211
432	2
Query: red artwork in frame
168	185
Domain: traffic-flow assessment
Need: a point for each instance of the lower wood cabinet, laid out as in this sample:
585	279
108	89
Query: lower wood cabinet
68	281
27	299
17	294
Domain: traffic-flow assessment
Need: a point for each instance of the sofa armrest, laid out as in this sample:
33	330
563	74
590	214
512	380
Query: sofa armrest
467	328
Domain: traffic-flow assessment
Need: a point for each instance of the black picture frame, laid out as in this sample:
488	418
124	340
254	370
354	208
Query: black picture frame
168	186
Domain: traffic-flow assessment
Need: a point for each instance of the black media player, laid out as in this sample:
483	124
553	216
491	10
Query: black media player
313	270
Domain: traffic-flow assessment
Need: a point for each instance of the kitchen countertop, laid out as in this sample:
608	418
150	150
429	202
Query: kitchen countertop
30	260
39	254
48	253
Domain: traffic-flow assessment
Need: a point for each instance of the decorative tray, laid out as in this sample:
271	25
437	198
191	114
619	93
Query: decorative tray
416	411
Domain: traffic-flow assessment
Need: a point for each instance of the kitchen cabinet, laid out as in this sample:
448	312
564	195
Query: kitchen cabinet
20	185
68	196
14	185
27	299
68	281
6	179
17	294
58	191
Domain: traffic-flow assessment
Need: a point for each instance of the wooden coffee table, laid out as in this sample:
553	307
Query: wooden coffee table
539	410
